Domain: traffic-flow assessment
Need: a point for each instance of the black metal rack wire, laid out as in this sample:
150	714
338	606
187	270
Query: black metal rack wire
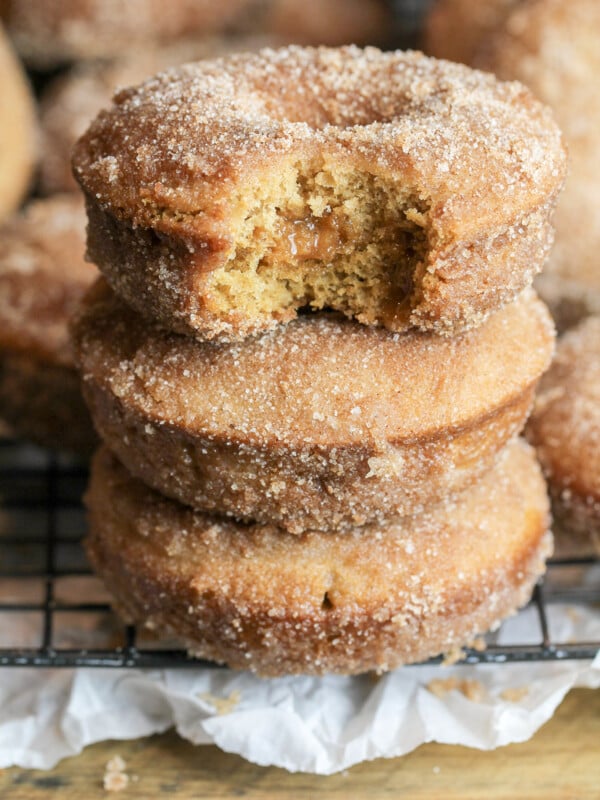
64	614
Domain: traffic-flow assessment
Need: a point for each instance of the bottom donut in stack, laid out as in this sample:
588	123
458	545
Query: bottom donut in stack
255	597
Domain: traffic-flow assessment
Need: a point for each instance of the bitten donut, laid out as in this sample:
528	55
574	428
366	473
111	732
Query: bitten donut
323	423
42	277
18	130
552	47
257	598
565	429
225	195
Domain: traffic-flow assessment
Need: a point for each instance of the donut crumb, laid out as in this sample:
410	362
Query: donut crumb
514	694
473	690
222	705
115	777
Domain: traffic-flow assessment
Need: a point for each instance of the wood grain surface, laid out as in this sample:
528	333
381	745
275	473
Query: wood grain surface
562	762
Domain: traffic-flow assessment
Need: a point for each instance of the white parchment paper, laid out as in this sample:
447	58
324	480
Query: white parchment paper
318	725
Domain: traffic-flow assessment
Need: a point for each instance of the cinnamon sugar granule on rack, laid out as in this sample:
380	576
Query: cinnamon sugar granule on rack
478	644
452	656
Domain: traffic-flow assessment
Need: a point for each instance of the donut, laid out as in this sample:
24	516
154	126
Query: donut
224	196
18	131
552	47
256	598
42	277
52	32
454	29
565	429
322	423
328	22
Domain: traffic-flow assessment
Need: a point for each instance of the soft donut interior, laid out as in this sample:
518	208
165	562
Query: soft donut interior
329	237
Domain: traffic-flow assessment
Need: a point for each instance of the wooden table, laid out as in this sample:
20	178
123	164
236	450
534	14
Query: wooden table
562	762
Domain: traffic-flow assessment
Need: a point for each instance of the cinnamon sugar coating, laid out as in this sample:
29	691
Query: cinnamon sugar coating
18	130
565	429
225	195
257	598
72	100
323	423
43	276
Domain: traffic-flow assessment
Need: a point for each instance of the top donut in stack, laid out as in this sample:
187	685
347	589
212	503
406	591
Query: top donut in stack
226	195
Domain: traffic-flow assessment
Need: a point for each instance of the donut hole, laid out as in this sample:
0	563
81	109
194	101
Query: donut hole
326	238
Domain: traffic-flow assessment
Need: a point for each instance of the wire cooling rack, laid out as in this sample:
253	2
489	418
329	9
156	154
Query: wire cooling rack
55	613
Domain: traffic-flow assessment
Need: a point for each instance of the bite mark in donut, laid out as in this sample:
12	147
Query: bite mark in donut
329	241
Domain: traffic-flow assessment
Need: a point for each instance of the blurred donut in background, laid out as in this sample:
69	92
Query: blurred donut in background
51	32
18	130
455	28
329	22
42	277
554	48
565	429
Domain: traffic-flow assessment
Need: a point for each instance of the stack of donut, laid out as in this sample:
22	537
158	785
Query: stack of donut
311	353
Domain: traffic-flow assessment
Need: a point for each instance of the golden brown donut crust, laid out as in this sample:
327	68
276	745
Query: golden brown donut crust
256	598
43	276
565	429
225	195
18	130
323	423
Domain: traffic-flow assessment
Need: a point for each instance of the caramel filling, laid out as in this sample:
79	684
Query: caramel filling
313	239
